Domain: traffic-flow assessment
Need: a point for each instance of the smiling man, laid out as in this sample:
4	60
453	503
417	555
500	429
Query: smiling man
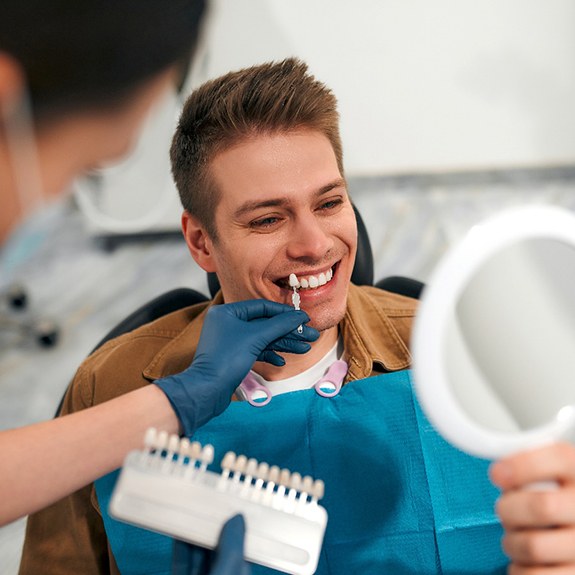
257	158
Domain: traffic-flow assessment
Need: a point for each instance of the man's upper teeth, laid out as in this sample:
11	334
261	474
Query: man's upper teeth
310	281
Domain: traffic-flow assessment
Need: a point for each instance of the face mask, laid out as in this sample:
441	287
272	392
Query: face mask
16	120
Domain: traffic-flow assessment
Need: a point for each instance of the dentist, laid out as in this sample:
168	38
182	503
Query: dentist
77	78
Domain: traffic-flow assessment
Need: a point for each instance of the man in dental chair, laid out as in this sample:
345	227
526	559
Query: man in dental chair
258	162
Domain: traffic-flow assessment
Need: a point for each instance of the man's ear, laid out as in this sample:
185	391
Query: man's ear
199	243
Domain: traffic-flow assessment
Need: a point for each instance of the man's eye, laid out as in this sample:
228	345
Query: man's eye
264	222
331	204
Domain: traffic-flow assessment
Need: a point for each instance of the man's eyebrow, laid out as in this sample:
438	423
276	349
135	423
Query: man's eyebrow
339	183
252	205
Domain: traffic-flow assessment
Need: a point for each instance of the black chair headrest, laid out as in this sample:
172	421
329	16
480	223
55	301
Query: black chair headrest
402	285
362	274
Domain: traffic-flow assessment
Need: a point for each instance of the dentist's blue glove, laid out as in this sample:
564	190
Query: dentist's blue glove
233	337
227	559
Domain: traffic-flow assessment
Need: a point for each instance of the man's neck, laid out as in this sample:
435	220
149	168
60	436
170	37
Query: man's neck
298	363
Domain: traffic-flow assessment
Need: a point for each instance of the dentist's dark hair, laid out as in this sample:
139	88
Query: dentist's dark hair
80	55
270	98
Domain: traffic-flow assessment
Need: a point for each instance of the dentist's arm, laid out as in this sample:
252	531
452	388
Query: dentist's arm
44	462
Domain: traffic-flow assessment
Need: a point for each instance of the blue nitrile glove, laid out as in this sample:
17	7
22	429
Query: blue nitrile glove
233	337
227	559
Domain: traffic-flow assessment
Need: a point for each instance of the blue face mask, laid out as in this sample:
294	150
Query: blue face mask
16	121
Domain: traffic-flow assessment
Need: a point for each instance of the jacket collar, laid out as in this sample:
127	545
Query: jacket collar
370	338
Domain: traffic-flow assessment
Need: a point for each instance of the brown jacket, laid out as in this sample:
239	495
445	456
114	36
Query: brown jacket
69	536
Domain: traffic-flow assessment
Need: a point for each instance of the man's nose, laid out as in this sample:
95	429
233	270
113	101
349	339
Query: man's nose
310	238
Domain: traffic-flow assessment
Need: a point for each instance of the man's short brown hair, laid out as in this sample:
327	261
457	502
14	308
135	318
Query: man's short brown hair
264	99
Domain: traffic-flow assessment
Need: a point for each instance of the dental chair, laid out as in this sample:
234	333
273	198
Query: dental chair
178	298
401	285
161	305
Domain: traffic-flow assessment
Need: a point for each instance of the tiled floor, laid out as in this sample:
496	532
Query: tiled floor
86	290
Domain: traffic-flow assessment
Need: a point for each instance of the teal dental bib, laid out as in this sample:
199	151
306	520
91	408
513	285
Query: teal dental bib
400	500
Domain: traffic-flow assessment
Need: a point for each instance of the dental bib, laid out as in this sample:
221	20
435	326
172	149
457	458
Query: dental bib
400	500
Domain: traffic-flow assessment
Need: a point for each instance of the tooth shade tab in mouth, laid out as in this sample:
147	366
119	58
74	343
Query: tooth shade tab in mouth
311	282
293	281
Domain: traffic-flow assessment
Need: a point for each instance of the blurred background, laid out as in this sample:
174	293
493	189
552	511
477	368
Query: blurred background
450	110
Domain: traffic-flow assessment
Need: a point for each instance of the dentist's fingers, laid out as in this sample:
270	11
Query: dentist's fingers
230	552
283	327
249	310
290	346
272	357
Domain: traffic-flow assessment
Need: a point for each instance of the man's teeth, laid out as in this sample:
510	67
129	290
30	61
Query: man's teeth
310	282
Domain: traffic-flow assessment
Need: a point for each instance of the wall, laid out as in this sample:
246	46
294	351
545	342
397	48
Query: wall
443	85
424	87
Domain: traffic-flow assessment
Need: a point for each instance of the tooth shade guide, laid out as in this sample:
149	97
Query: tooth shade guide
284	482
149	443
305	489
239	467
194	451
273	478
318	490
295	485
285	526
162	441
228	464
295	299
258	482
261	476
183	451
150	438
171	449
250	472
207	457
173	443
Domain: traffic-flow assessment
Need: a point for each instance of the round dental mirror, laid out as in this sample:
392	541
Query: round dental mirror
494	338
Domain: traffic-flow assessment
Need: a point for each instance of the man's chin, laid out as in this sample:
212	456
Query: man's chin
324	322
